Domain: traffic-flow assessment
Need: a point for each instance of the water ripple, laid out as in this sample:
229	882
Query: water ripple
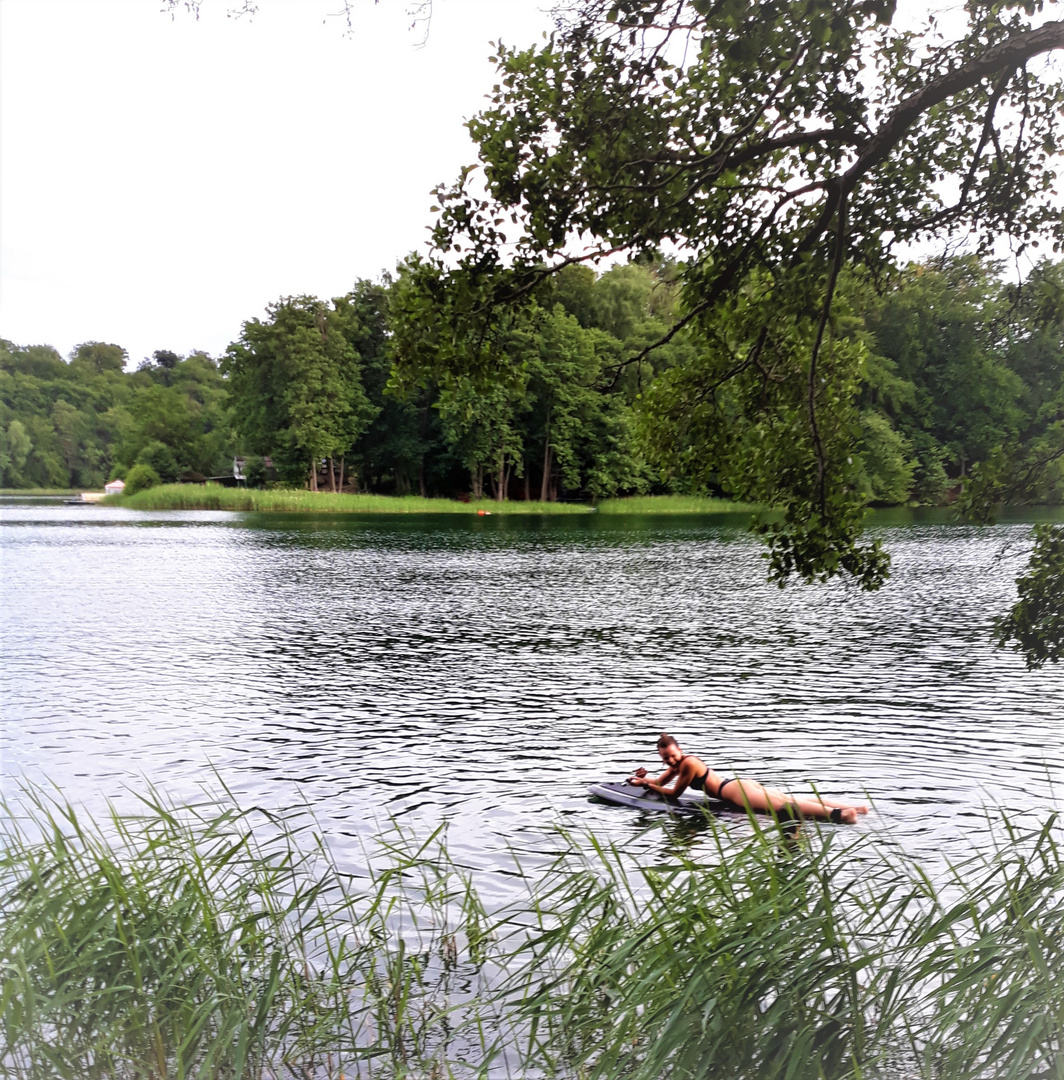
485	671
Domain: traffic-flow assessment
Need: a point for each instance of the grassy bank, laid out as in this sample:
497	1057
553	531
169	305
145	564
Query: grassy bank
210	941
672	504
39	491
216	497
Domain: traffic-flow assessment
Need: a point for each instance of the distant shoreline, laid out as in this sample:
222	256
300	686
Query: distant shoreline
216	497
255	500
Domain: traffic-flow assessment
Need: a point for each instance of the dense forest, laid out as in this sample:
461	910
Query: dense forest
957	367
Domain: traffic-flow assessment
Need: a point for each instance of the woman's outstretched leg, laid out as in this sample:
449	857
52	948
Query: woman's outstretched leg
820	808
758	797
859	807
831	804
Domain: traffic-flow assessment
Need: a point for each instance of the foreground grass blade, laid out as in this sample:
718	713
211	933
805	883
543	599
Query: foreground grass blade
211	941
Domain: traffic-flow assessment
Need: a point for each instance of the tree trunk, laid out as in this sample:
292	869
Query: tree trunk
332	476
528	484
544	487
313	474
422	488
340	485
476	478
500	491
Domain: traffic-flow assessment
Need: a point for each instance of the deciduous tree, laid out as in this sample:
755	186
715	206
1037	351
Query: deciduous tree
771	144
296	386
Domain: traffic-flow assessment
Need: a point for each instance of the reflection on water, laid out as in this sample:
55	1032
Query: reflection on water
485	670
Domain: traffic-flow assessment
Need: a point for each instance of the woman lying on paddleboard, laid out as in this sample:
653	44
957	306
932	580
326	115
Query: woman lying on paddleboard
687	771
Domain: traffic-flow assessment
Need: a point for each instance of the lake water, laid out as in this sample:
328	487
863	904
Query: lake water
484	670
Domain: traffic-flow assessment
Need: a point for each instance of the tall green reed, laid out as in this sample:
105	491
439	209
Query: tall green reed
210	941
673	504
275	500
811	956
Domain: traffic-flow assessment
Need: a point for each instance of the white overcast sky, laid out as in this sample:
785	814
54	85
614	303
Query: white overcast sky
162	180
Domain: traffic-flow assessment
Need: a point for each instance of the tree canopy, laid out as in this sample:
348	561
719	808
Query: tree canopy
776	147
296	384
74	424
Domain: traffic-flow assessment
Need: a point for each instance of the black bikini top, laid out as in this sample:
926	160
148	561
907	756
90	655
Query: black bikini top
699	782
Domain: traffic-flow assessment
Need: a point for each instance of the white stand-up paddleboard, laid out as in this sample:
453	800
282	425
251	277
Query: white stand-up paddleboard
641	798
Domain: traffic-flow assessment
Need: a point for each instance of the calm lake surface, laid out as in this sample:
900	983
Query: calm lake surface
483	671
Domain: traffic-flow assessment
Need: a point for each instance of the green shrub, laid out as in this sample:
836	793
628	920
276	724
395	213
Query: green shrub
140	478
885	460
161	458
118	471
256	472
930	481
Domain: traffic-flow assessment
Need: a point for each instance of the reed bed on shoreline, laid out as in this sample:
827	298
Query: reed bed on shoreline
673	504
216	497
212	941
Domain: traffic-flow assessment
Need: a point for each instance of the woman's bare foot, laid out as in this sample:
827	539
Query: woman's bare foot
849	815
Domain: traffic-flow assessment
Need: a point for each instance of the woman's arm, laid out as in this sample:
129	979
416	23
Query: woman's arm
638	779
677	789
684	775
641	774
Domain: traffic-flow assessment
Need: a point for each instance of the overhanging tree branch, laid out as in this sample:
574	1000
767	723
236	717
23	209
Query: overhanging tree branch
767	163
1008	55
